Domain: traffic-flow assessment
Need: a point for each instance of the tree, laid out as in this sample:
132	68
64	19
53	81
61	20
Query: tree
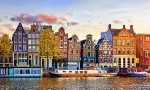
5	47
48	44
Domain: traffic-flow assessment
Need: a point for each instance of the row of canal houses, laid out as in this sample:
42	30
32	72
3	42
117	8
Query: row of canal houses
115	48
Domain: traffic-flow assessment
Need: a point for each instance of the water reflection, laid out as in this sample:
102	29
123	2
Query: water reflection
84	83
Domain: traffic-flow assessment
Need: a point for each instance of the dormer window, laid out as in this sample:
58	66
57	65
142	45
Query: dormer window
123	34
20	28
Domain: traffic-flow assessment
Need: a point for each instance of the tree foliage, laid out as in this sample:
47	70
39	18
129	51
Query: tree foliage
5	46
48	43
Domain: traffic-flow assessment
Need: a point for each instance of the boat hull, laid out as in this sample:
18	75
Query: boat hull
82	75
132	75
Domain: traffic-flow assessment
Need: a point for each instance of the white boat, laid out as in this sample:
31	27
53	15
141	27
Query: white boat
80	73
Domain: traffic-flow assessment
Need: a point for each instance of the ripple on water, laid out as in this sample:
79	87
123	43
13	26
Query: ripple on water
76	83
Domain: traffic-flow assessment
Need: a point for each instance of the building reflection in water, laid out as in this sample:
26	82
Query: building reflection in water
75	83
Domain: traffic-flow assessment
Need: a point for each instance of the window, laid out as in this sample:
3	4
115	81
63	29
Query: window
85	71
33	41
20	40
89	47
29	35
77	51
89	54
29	41
61	38
37	41
114	60
64	71
61	45
20	33
33	48
119	60
29	48
24	48
128	60
70	71
74	45
15	48
33	35
37	35
20	47
15	39
24	40
123	42
66	38
124	60
128	42
132	60
119	42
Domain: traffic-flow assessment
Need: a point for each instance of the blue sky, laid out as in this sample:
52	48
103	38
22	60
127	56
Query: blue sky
79	17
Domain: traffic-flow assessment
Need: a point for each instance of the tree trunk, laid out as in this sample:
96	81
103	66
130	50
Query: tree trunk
47	63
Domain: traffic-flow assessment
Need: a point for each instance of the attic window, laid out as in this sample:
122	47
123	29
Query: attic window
123	34
33	30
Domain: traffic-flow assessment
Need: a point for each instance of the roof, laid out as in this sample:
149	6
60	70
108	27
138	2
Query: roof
100	40
70	38
115	32
83	42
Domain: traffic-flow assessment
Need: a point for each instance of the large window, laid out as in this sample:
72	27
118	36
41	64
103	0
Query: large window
15	48
89	54
24	40
66	38
33	41
29	48
33	48
15	39
29	41
33	35
119	42
20	40
24	48
20	47
37	35
114	60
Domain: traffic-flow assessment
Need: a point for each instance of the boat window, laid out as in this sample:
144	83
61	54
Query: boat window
85	71
70	71
76	71
81	71
64	71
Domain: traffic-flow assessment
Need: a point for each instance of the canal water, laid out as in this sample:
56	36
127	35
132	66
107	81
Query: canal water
76	83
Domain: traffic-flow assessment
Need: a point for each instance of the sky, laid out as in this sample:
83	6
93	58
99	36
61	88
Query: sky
79	17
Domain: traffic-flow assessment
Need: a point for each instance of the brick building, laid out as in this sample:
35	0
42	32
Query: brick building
73	52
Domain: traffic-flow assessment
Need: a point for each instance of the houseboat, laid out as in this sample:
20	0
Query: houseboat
89	72
132	72
11	72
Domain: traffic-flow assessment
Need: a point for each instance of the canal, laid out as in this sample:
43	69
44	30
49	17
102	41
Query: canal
71	83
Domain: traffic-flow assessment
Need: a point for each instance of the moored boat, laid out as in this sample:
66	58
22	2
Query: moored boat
132	72
80	73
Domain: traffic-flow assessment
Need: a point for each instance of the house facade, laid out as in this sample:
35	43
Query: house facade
143	50
124	47
20	47
61	62
87	52
73	53
33	46
105	53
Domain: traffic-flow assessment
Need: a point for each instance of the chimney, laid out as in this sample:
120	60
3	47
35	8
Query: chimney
109	26
124	26
131	27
